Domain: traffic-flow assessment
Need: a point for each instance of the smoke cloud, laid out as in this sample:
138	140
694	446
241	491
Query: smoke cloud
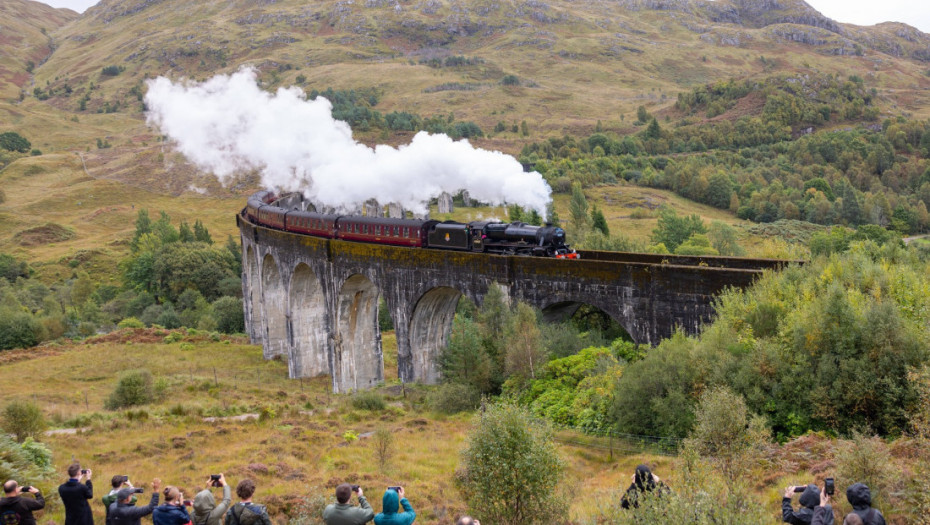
227	125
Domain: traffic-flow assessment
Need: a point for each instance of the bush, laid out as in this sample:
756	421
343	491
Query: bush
227	312
12	141
368	400
134	388
131	322
452	398
510	468
868	460
18	330
23	419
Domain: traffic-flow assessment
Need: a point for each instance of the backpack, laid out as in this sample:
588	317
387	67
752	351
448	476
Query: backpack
9	517
253	516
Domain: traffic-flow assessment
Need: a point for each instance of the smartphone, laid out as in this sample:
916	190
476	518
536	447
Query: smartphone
395	489
829	486
800	488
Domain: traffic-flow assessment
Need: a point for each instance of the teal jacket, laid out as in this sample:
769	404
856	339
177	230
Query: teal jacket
389	514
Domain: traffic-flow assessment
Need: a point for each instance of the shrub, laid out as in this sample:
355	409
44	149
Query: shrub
452	398
383	443
134	388
23	419
18	330
38	453
510	468
368	400
131	322
12	141
868	460
227	312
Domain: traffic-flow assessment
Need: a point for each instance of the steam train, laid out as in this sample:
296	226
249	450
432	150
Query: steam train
514	238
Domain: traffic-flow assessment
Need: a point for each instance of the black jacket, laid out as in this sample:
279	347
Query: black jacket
75	496
810	498
23	507
860	498
823	515
128	514
642	482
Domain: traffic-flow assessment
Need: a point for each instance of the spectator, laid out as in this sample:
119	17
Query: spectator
75	496
119	481
123	512
852	519
823	513
206	511
803	516
342	513
245	512
643	481
172	511
17	509
466	520
860	498
389	508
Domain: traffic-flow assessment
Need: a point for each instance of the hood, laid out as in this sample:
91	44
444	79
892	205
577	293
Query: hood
390	502
643	479
859	496
8	501
204	503
810	498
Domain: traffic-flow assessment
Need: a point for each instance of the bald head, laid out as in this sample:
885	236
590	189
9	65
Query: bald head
10	486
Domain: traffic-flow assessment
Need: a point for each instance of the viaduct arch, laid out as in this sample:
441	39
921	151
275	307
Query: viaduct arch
315	301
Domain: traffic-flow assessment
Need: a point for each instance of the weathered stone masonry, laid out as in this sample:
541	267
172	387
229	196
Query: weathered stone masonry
315	301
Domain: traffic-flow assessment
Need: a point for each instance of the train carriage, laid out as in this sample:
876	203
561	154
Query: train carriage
382	230
312	223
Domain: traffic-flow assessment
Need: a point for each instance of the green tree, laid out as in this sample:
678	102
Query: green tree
185	233
719	191
578	207
143	226
723	238
201	234
510	469
598	221
12	141
179	266
229	316
697	244
653	130
673	230
524	344
134	387
18	329
23	419
465	359
642	116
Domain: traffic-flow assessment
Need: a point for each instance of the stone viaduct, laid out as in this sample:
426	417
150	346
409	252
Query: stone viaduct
314	301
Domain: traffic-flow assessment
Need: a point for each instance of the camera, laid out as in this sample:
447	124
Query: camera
25	488
829	486
800	488
355	488
84	471
188	503
395	489
215	480
138	490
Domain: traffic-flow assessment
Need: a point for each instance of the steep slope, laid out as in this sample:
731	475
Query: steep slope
25	42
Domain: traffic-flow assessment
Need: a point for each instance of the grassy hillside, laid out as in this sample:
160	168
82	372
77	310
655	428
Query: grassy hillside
26	42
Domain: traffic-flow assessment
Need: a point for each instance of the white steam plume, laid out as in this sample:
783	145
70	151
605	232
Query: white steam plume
227	124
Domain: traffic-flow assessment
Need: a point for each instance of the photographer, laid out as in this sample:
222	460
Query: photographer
123	512
15	508
245	512
172	511
643	481
206	511
810	497
859	496
823	513
119	481
342	513
389	507
75	496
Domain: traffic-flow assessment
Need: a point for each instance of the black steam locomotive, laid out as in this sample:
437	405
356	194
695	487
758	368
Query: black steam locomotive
514	238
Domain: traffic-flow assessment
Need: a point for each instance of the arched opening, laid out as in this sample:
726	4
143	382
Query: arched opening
357	362
430	327
581	325
254	298
274	298
308	325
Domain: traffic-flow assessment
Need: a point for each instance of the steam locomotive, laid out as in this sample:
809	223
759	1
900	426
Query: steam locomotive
515	238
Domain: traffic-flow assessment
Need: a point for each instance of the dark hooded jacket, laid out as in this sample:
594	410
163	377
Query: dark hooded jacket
75	495
642	482
389	508
206	511
168	514
860	498
810	498
23	507
129	514
823	515
247	514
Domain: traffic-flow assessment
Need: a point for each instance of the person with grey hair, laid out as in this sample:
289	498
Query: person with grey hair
466	520
17	509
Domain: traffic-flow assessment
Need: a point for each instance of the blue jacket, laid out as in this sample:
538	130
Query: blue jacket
170	515
389	514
